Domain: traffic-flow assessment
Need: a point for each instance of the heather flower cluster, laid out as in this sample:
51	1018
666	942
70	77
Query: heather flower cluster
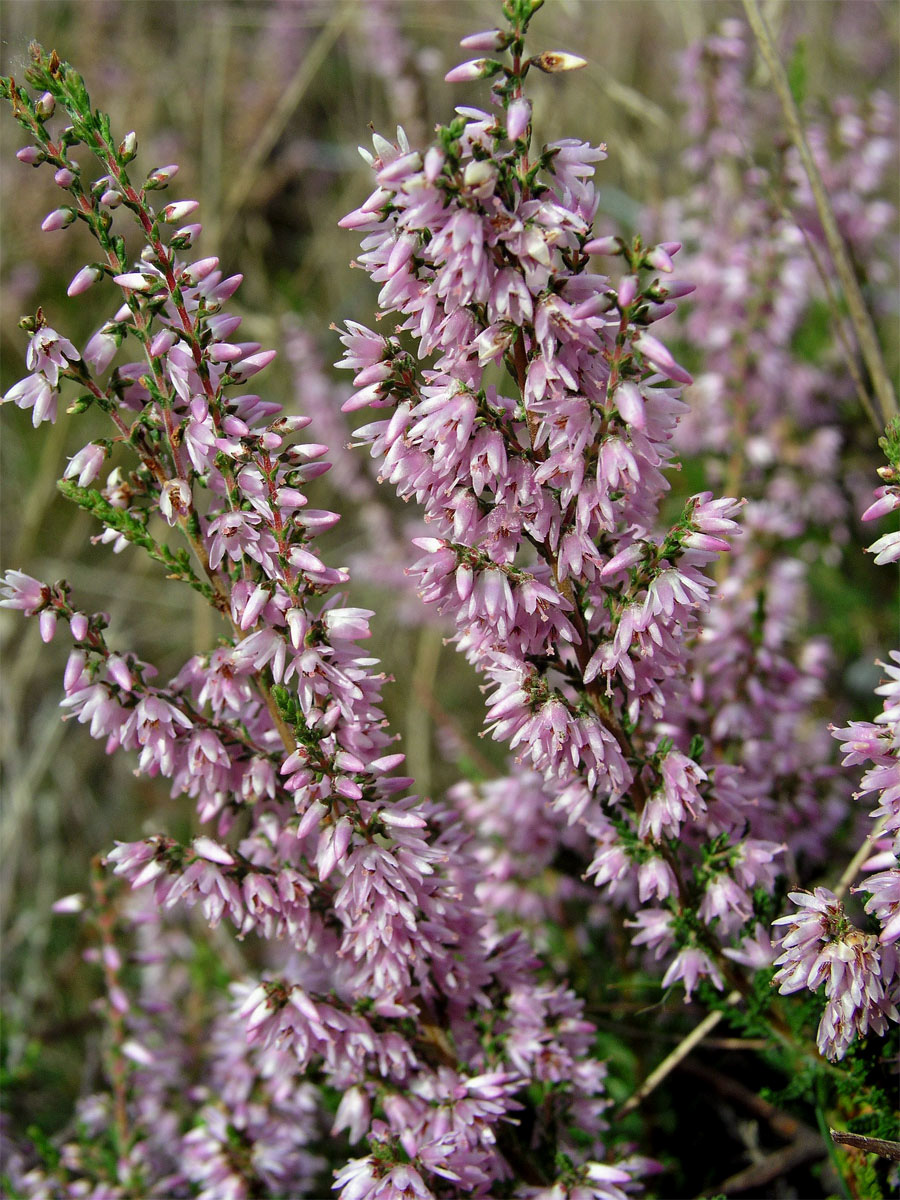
391	1016
822	948
578	607
387	986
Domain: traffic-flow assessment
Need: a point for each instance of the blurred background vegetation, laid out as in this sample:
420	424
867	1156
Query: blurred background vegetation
262	103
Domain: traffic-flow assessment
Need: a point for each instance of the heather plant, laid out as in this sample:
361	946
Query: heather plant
399	1008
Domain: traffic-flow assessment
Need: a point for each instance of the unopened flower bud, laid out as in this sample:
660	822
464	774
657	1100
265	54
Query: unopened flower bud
605	245
160	176
111	198
205	847
78	626
64	177
476	68
253	363
185	236
630	403
58	219
486	39
133	281
128	147
658	258
85	279
627	291
479	178
45	107
173	213
660	357
30	155
198	270
118	672
47	624
517	119
552	62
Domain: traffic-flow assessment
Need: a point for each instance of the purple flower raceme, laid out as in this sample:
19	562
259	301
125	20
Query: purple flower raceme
391	985
579	608
860	972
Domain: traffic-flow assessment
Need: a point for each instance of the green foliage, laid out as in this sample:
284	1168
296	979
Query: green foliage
890	444
797	72
814	336
135	529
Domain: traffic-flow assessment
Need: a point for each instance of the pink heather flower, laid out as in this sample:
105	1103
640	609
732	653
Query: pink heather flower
884	902
690	965
821	947
660	357
887	500
49	353
86	464
23	592
175	500
34	392
234	534
100	350
886	549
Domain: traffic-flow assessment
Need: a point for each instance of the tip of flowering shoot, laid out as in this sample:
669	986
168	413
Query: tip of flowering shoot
552	62
475	68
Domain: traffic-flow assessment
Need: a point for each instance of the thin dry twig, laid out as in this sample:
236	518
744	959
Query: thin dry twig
852	868
671	1061
805	1148
859	314
880	1146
